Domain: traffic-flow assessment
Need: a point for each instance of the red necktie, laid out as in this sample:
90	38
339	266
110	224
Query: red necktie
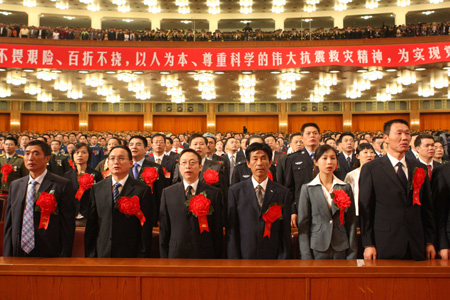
429	171
176	150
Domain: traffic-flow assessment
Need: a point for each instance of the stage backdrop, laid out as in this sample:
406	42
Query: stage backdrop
253	123
42	123
374	122
325	122
434	121
5	124
179	124
116	123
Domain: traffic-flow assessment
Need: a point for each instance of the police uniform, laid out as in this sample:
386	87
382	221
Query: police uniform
59	164
97	156
18	165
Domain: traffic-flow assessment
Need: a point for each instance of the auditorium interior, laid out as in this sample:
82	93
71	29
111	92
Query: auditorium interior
165	94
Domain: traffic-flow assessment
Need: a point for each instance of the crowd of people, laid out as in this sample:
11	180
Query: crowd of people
247	33
392	184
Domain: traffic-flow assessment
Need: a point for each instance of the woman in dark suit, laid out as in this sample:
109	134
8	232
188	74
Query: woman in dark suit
81	156
326	213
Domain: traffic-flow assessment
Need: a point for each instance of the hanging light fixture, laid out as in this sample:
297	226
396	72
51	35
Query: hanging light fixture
46	75
94	80
29	3
16	77
32	89
5	91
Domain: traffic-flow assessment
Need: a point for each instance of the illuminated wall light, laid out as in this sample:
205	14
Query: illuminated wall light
143	95
32	89
83	124
182	3
15	123
214	10
148	124
5	91
347	123
211	124
340	6
283	123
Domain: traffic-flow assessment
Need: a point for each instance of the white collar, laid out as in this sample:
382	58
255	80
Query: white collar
395	161
139	162
122	181
316	181
430	164
262	184
194	185
38	179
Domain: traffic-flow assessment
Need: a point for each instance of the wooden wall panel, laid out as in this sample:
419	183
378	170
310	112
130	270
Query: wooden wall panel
179	124
42	123
440	121
325	122
253	123
5	122
374	122
116	123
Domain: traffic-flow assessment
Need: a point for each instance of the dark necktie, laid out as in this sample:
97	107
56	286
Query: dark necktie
349	162
313	155
116	191
135	171
401	175
259	195
189	192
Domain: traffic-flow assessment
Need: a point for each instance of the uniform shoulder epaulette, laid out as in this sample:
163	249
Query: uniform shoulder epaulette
1	155
19	155
241	163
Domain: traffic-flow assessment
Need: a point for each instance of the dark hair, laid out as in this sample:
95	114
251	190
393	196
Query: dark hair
175	137
268	136
321	150
421	137
226	141
258	146
294	135
387	126
364	146
302	130
196	136
43	145
189	150
254	137
347	133
72	133
140	137
81	145
93	135
43	137
170	140
378	137
83	135
158	134
10	138
58	141
130	157
117	139
329	139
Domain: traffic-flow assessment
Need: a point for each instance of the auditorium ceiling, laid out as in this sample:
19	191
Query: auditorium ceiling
333	83
226	6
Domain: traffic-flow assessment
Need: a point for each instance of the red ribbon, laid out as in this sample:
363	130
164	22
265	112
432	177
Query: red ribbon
6	170
271	215
86	181
200	206
130	206
203	223
342	201
47	204
71	164
418	180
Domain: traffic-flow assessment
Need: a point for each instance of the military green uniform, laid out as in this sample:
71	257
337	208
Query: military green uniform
59	164
19	170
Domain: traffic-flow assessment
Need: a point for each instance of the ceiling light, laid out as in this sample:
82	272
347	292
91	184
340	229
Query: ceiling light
247	72
143	95
371	4
123	8
219	72
156	9
16	78
334	71
5	91
29	3
83	72
428	12
403	3
184	10
119	2
46	75
305	72
309	8
419	69
62	4
110	72
391	70
164	72
275	72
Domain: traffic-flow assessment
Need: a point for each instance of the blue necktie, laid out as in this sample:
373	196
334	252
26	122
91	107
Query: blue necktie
27	241
402	176
135	171
313	155
116	191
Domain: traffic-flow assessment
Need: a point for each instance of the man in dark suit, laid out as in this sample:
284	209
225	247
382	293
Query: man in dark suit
300	165
211	155
10	157
376	143
138	147
111	232
168	151
182	231
411	153
347	160
441	196
394	224
97	152
278	158
233	155
157	156
424	145
24	235
252	234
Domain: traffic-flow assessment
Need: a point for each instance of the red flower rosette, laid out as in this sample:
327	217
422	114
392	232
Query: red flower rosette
150	175
211	176
270	175
71	164
166	174
130	206
200	206
417	181
47	205
6	170
85	181
342	201
271	215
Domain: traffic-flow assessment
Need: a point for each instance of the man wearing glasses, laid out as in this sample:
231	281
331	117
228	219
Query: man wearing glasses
121	212
191	214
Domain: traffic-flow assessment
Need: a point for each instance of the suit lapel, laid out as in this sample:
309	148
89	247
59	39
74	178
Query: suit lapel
411	167
390	171
269	196
317	193
47	183
250	194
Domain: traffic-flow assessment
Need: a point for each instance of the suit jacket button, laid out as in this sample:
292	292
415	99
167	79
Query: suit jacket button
331	221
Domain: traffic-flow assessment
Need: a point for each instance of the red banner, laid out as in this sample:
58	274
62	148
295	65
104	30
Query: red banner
186	59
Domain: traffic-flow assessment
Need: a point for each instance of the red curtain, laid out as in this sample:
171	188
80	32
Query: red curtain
439	121
179	124
116	123
5	124
42	123
374	122
325	122
253	123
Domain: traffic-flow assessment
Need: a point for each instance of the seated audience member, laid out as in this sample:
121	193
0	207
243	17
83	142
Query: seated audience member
259	212
326	213
191	214
121	212
23	234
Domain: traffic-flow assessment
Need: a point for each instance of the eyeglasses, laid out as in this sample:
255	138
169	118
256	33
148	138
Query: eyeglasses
190	163
118	158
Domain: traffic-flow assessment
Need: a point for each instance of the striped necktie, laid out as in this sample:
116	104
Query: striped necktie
117	185
27	241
